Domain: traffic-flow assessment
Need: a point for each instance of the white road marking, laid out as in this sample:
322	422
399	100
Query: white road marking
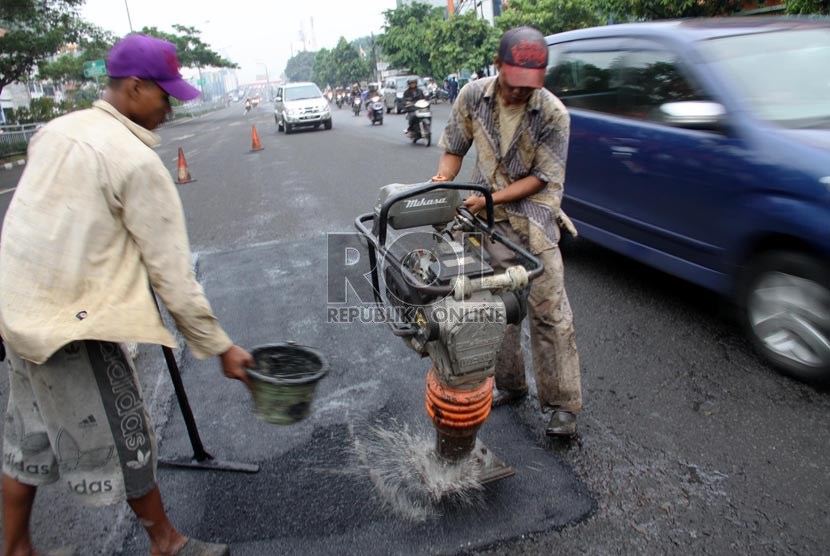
186	154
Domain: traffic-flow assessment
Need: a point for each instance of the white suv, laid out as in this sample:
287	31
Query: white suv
301	104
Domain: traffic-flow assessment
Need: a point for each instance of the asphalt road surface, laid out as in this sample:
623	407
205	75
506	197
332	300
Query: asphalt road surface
688	442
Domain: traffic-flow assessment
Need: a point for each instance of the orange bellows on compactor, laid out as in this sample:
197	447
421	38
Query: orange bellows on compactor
457	413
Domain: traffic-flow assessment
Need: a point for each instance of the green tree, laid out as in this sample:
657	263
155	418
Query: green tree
669	9
555	16
369	50
347	64
300	67
192	52
808	7
407	41
69	67
35	30
462	42
323	71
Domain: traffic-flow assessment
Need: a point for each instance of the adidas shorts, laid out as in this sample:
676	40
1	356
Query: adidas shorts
79	418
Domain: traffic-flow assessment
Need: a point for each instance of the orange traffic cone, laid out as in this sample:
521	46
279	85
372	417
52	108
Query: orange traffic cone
184	173
255	144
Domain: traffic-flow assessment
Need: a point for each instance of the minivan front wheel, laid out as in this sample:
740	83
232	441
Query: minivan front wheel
786	300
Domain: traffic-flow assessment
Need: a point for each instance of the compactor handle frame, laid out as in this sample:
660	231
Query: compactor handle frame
376	238
382	224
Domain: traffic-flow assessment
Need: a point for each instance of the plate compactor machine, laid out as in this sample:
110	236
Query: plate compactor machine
438	293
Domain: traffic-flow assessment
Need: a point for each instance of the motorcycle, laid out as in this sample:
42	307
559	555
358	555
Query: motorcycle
338	99
420	128
438	95
374	110
356	104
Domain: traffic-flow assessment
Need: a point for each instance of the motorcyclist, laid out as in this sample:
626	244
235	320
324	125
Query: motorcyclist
411	95
355	92
372	91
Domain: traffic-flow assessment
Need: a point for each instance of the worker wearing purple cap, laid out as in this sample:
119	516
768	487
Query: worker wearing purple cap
520	131
94	219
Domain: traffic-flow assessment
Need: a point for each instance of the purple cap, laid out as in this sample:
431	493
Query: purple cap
150	58
523	54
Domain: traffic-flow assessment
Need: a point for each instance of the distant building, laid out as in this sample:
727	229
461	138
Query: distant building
214	83
217	83
13	96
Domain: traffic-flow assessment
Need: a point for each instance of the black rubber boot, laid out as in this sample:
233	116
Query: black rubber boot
562	424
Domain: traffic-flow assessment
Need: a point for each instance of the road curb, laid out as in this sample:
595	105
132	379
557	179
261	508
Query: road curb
11	165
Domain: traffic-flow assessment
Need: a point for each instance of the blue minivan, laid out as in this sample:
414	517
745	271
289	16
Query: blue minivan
702	148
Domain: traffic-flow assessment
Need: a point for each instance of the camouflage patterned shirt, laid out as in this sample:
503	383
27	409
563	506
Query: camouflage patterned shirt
539	147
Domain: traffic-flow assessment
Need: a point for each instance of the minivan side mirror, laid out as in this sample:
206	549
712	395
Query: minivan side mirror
278	98
693	114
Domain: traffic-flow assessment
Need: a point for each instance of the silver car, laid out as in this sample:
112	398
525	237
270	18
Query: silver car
393	89
301	105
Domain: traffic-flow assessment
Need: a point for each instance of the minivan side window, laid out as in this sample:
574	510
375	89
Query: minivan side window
587	74
624	77
652	76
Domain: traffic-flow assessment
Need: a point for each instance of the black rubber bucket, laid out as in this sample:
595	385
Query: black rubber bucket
284	378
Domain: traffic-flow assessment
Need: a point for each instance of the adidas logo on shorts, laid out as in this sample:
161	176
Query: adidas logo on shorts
88	422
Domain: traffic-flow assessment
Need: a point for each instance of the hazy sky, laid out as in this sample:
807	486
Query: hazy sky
250	33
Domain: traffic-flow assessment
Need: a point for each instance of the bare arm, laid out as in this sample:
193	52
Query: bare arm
517	190
448	167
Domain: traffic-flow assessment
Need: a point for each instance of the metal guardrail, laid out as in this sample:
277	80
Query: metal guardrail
18	134
5	128
21	133
193	110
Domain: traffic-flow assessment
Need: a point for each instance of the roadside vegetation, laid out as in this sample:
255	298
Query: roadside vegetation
47	40
419	38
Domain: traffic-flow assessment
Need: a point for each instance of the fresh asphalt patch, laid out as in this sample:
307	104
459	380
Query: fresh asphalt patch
319	490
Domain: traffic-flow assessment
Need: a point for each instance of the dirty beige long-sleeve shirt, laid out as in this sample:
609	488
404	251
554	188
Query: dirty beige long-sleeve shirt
95	217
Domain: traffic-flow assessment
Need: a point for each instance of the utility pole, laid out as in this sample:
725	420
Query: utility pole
129	20
267	84
374	59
